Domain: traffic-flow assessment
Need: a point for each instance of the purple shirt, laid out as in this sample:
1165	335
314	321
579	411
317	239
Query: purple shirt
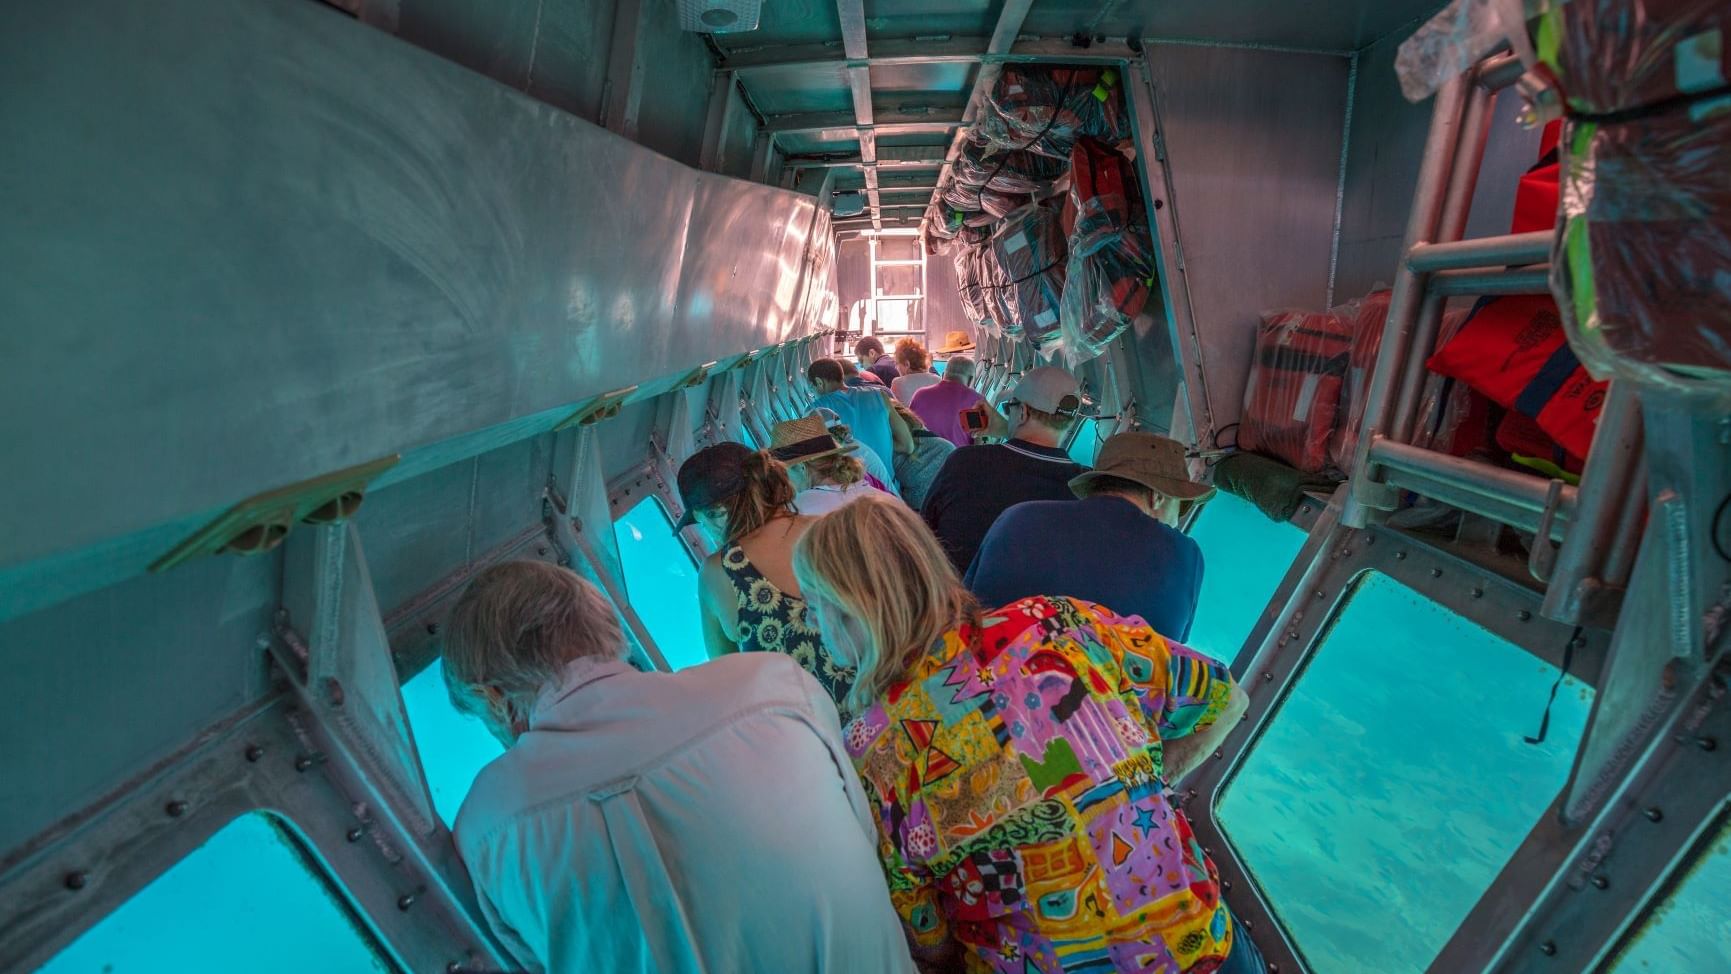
940	408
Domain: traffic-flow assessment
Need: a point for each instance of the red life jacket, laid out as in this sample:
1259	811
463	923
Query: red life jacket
1513	350
1293	394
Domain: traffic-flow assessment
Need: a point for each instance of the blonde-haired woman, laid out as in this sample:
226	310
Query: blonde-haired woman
742	502
826	471
915	365
1043	731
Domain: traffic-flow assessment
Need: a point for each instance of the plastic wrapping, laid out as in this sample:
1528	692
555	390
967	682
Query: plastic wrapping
973	299
1006	170
1030	252
1110	274
1642	267
1043	110
1292	396
1367	316
1458	37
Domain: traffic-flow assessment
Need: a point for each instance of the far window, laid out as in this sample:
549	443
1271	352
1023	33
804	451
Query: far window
454	746
1393	782
1689	930
1244	557
661	582
242	901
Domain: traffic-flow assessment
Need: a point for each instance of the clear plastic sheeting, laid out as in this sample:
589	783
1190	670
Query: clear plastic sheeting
1111	267
1044	110
1458	37
1642	267
1029	248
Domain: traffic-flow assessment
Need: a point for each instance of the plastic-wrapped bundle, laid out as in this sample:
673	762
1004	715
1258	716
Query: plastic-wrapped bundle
1447	407
1006	170
1111	265
1293	394
1458	37
1044	110
1367	315
966	260
996	286
1643	263
1030	249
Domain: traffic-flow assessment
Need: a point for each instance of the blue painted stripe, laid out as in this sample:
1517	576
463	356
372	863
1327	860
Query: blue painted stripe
1548	382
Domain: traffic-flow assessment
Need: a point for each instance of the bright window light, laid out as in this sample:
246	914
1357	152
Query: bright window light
661	582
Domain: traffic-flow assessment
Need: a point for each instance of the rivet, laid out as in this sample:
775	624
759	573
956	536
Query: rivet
354	834
1601	882
1548	948
254	752
1524	615
1321	594
1292	634
1436	573
1655	814
1706	743
405	901
1369	540
175	809
1273	968
1400	556
1478	593
541	550
1247	924
77	880
1268	677
1226	884
432	629
303	762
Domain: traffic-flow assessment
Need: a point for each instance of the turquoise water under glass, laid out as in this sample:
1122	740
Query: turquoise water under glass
661	582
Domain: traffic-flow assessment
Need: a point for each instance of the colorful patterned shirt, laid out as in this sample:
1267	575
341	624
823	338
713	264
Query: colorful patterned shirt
1021	800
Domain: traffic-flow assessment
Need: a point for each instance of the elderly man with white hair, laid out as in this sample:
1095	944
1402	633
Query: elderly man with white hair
706	820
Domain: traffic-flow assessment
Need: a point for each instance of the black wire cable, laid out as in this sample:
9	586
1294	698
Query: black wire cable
1568	657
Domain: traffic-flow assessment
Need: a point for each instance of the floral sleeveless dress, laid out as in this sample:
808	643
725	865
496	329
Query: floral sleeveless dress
772	621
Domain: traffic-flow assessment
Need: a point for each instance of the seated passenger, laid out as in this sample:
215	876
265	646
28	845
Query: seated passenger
916	370
878	473
742	501
869	352
916	471
865	412
632	810
824	470
978	483
1018	762
1118	545
853	378
941	405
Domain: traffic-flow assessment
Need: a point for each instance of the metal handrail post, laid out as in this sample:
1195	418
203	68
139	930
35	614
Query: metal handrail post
1579	578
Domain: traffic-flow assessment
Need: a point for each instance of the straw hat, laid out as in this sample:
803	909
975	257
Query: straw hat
955	341
795	441
1155	462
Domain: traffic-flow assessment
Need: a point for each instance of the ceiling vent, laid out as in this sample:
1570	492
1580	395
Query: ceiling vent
718	16
849	204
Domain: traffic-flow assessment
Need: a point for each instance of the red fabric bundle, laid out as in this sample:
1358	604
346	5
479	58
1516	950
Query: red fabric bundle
1293	395
1367	316
1512	349
1044	110
1111	269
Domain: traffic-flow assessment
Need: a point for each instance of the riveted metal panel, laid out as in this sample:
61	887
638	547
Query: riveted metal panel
316	246
1252	144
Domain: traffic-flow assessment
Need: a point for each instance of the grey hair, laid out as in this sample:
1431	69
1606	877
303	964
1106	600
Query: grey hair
518	624
960	367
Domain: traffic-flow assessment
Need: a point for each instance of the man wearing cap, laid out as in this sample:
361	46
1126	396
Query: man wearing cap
1117	544
978	483
872	358
940	406
865	412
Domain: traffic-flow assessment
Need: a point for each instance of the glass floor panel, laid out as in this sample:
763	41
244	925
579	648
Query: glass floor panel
1393	783
661	582
1244	556
241	902
454	746
1691	930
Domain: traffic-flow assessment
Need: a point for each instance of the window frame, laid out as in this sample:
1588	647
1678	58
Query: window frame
1291	629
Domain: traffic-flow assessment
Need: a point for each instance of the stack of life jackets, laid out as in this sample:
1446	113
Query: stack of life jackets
1030	252
1292	397
1111	265
1044	110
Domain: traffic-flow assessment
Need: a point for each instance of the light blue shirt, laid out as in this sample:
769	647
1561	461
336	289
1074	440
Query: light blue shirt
704	820
867	415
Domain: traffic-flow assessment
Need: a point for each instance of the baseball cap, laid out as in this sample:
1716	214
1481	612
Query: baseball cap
710	476
1050	390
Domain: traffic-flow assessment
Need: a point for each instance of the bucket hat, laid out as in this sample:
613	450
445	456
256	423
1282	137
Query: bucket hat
1154	461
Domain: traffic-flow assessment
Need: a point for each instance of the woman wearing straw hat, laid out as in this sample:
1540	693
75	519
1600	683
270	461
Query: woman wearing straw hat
742	501
825	470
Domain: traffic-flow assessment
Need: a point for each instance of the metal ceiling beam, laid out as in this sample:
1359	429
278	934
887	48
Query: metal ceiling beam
901	122
942	50
1009	24
716	122
622	95
853	38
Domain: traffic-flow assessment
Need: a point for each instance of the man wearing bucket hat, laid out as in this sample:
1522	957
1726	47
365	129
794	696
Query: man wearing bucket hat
1117	544
978	483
